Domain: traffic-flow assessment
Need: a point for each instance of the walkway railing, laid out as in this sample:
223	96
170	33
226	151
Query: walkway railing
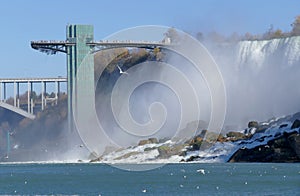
29	105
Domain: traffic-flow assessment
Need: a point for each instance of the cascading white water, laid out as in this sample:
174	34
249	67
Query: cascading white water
261	78
285	51
261	82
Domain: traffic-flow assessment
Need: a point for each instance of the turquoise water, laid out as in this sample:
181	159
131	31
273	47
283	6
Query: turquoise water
171	179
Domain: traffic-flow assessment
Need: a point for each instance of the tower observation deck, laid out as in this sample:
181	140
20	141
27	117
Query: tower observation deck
78	44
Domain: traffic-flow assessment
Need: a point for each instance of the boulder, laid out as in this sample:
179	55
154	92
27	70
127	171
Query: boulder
148	141
143	142
221	138
295	116
296	124
153	140
282	126
252	124
195	143
294	141
262	128
257	154
166	151
282	149
211	136
191	158
234	136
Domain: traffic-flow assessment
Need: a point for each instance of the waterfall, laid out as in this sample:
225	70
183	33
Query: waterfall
261	78
284	52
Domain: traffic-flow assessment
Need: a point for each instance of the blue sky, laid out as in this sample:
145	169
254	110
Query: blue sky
23	21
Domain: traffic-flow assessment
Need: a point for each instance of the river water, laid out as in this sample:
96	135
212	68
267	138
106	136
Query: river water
170	179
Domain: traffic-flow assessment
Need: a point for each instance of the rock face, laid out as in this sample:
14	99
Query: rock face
296	124
195	143
261	128
234	136
204	140
276	141
166	151
283	149
148	141
253	124
294	141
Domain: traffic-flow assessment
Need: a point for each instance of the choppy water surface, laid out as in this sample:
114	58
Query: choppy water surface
171	179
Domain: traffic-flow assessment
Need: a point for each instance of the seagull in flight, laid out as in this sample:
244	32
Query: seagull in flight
202	171
121	71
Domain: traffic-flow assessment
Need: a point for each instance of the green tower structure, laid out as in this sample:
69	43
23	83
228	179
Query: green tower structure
78	55
79	47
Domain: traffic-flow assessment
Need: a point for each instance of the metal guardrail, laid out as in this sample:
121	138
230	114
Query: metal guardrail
35	80
54	46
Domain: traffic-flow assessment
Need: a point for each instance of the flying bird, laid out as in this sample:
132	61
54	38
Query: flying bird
121	71
202	171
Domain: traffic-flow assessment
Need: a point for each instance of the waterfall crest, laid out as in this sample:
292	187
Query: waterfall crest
283	52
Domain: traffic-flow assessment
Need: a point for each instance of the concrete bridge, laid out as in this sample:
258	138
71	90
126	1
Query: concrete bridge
27	109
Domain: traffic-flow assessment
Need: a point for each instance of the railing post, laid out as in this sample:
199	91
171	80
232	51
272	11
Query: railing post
18	94
31	97
45	91
43	88
15	94
31	112
0	91
56	92
4	92
28	97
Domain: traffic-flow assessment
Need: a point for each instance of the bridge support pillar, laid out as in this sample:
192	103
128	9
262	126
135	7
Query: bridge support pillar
4	92
0	91
42	95
28	97
56	92
18	94
15	94
31	108
80	34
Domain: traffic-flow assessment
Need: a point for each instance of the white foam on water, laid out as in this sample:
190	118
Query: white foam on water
138	155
